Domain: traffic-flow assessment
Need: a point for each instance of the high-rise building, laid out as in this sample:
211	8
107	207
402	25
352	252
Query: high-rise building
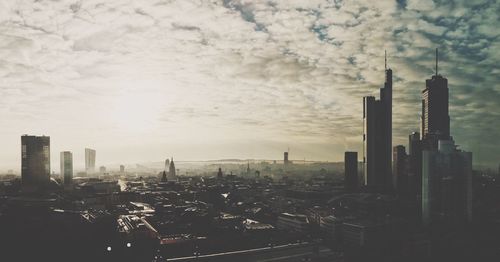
102	169
435	118
122	169
66	160
171	170
285	158
35	162
377	136
351	170
415	164
399	170
167	164
219	173
446	184
90	160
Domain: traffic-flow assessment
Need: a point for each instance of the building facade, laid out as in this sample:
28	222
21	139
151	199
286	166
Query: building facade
66	160
446	184
351	171
377	136
35	161
90	155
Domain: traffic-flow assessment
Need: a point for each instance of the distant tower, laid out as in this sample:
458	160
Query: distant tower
285	158
102	169
351	171
35	161
122	169
248	168
435	116
164	177
219	173
90	155
377	135
399	169
66	160
415	163
171	170
167	165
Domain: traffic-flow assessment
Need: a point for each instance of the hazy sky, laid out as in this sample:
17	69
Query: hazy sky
208	79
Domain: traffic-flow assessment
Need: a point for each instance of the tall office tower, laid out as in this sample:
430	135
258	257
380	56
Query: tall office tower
35	162
377	136
435	118
122	169
446	184
351	171
66	168
285	158
171	170
219	173
399	170
89	160
415	164
167	164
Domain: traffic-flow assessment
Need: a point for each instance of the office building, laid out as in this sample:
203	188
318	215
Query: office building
285	158
66	160
219	173
399	170
377	136
415	164
35	162
446	184
351	171
171	170
435	122
90	155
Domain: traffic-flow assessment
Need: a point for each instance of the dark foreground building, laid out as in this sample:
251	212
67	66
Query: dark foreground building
35	162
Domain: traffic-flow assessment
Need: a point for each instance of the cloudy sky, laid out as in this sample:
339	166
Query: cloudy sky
209	79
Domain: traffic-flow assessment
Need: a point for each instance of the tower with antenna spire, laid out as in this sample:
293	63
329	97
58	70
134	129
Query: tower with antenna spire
377	135
435	119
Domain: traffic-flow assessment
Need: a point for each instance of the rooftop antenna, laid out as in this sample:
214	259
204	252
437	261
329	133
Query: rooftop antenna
436	61
385	64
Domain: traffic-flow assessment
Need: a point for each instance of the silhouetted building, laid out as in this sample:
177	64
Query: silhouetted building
35	162
435	118
164	176
285	158
446	184
167	165
66	160
351	170
415	163
90	160
122	169
377	136
219	173
171	170
399	170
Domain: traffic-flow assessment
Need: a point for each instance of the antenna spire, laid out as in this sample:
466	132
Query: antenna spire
385	57
436	61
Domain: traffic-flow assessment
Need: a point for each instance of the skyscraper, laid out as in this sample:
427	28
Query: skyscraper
435	117
219	173
66	168
35	162
171	170
399	170
285	158
122	169
377	136
446	184
415	163
90	160
351	170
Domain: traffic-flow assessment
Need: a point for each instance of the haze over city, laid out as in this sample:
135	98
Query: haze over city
141	81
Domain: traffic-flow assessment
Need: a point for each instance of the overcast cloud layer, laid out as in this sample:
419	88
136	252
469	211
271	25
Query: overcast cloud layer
208	79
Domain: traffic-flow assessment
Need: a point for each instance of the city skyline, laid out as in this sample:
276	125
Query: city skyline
163	84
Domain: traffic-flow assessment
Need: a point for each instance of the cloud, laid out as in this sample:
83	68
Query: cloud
215	74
